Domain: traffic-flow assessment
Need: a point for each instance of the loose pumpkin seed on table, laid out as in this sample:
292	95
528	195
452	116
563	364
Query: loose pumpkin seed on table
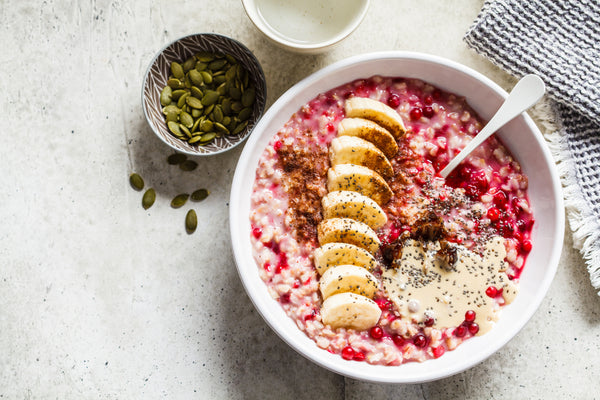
136	181
179	200
148	198
191	221
209	93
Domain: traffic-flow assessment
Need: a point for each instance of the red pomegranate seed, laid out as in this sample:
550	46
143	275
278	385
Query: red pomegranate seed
348	353
376	332
330	127
460	331
491	291
473	328
393	100
416	113
277	145
428	111
267	266
470	316
420	340
398	340
429	321
256	232
438	351
428	100
500	199
285	298
526	246
359	356
493	214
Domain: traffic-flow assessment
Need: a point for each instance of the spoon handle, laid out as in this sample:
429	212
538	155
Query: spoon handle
526	93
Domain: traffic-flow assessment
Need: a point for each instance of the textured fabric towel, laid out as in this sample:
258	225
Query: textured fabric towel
559	40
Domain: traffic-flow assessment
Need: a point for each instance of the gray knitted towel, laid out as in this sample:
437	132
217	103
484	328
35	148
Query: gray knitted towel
559	40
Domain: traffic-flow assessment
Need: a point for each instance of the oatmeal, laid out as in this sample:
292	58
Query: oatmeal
305	201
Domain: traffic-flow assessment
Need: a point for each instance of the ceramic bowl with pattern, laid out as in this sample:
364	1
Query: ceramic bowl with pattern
179	50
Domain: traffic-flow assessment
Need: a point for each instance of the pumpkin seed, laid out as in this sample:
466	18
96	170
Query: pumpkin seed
199	195
194	102
205	57
148	198
218	113
221	128
248	97
217	64
196	113
210	97
175	83
201	66
136	181
176	158
177	70
191	221
170	109
174	128
181	102
235	93
179	200
196	77
189	64
188	165
195	139
185	130
239	128
172	116
206	125
206	77
165	96
196	92
178	93
186	119
207	137
243	115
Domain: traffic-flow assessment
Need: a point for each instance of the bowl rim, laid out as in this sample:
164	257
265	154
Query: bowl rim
251	10
221	37
289	332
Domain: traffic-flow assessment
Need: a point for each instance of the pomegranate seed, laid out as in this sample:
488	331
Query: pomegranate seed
438	351
416	113
348	353
493	214
277	145
393	100
526	246
500	199
460	331
376	332
420	340
473	328
491	291
428	111
330	127
360	356
470	316
429	321
436	94
285	298
267	266
282	264
398	340
256	232
428	100
310	315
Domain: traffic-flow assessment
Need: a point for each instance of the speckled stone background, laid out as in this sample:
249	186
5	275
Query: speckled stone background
102	299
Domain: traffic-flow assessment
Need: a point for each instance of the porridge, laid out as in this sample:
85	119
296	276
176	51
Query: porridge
370	252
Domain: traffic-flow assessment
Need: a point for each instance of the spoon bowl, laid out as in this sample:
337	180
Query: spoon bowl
528	91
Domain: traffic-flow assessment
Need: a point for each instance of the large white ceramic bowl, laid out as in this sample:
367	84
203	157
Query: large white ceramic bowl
521	136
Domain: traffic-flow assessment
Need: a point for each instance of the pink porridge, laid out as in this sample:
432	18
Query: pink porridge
482	204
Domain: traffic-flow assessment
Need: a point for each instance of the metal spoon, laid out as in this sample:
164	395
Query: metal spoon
526	93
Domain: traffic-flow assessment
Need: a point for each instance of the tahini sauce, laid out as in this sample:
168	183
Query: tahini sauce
422	288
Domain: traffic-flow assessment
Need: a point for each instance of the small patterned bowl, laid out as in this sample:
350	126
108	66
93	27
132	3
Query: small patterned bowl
158	72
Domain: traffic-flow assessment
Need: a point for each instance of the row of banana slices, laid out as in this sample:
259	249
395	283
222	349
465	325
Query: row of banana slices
360	164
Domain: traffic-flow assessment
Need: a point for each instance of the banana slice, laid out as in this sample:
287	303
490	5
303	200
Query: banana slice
370	131
347	204
347	230
354	150
332	254
384	115
348	278
359	179
351	311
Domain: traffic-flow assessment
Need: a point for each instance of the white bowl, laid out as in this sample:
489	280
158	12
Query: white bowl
522	138
308	26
